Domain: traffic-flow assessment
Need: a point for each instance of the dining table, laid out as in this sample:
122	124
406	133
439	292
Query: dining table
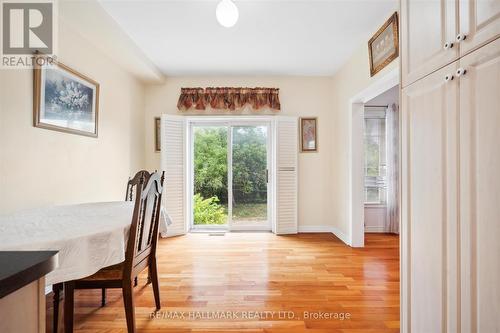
88	236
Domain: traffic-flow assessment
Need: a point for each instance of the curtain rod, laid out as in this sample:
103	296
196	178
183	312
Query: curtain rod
376	106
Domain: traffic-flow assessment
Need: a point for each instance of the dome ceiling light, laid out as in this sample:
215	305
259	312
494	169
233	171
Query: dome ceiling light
227	13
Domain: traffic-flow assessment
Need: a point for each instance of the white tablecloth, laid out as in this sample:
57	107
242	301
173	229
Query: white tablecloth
88	236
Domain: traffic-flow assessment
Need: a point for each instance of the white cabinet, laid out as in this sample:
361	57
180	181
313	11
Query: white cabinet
429	227
479	23
450	198
435	33
480	189
429	29
450	212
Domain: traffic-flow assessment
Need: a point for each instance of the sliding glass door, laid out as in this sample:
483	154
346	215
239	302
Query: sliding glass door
230	163
249	177
209	165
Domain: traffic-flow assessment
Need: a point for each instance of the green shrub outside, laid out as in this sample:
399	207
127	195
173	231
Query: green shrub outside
208	211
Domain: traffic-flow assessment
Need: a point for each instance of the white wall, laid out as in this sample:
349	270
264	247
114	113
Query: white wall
323	176
386	98
375	218
41	167
352	79
300	96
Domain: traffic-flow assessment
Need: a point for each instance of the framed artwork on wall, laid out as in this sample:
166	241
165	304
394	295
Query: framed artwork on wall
309	134
65	100
383	47
157	134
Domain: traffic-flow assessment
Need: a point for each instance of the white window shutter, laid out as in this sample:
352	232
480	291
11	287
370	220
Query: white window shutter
286	129
173	157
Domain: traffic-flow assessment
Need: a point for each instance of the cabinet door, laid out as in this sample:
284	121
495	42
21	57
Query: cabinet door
426	27
480	189
479	22
429	212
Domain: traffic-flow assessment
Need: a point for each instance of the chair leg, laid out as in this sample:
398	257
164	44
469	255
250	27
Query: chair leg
149	276
103	297
69	294
128	300
56	289
153	273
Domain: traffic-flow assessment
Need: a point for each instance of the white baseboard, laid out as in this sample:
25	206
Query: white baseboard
315	228
342	236
325	228
376	228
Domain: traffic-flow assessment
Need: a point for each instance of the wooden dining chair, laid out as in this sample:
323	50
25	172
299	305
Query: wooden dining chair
140	254
129	196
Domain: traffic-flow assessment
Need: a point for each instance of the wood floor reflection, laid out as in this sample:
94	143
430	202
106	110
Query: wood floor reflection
259	282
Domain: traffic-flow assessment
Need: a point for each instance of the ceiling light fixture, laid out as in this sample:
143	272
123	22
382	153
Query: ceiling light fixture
227	13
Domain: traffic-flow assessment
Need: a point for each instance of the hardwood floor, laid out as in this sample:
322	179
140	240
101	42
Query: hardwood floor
260	282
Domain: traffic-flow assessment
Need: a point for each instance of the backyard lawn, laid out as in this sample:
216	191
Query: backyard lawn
249	212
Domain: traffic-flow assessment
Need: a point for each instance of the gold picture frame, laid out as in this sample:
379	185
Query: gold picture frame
157	134
309	134
65	100
383	47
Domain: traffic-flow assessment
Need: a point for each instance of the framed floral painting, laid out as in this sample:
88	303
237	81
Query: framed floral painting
309	134
65	100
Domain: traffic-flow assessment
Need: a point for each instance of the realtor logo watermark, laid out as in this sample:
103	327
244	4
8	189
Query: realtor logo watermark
27	29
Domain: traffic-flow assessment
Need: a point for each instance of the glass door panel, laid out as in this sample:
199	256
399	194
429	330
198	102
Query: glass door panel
210	176
249	177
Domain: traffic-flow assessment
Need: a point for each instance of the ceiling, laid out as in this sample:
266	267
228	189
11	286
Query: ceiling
274	37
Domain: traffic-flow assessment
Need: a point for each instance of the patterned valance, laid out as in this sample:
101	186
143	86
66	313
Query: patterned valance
228	98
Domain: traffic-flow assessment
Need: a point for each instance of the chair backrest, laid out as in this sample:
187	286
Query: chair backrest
143	235
133	182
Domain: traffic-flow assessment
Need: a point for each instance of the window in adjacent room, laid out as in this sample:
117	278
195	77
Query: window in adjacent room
375	155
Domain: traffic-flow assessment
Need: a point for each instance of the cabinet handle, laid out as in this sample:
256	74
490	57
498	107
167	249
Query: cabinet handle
461	37
448	77
448	45
461	71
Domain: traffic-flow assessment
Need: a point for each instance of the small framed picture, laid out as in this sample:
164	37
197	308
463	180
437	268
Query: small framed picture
65	100
157	134
383	47
309	134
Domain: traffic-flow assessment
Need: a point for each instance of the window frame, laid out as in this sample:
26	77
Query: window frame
376	112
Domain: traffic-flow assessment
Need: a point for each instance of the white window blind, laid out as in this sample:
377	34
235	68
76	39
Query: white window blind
286	129
173	157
